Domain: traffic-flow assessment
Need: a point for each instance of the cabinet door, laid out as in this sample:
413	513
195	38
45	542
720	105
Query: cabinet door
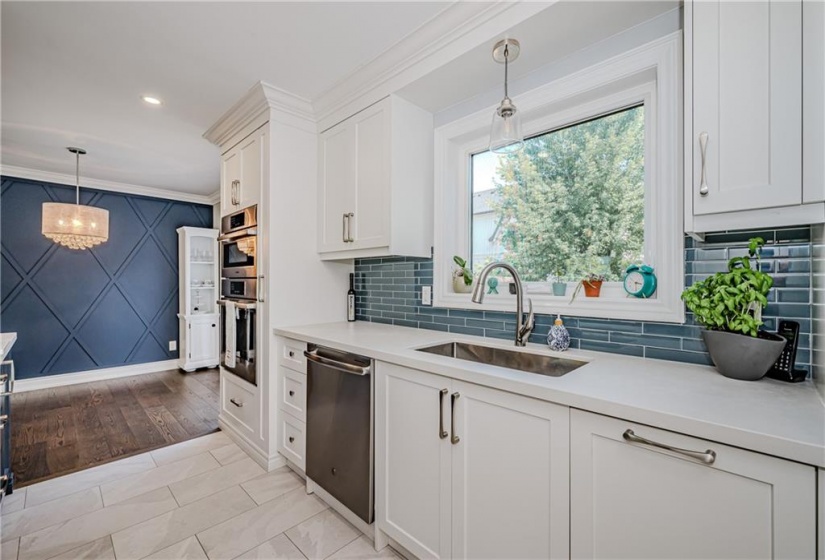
230	176
747	95
632	500
203	340
336	186
253	156
412	459
371	209
510	478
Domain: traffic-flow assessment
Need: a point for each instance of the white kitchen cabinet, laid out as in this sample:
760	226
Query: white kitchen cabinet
198	282
413	459
813	100
463	471
375	183
747	92
637	500
744	115
243	173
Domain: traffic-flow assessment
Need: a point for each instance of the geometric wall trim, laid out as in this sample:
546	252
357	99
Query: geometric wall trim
109	306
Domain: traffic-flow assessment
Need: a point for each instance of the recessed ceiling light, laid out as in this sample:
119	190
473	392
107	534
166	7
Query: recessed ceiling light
151	100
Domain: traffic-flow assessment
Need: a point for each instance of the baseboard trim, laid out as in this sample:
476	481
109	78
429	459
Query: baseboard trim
103	374
269	463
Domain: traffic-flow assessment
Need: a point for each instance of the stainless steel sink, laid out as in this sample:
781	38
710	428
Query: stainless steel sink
522	361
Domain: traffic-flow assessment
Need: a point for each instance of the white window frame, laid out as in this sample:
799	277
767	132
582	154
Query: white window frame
650	74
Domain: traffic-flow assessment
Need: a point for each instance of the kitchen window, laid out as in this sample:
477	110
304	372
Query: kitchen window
569	204
597	187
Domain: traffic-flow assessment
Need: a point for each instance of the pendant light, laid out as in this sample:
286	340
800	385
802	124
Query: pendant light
505	133
73	225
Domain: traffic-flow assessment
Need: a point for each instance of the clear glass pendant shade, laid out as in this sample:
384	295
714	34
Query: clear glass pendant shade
505	132
73	225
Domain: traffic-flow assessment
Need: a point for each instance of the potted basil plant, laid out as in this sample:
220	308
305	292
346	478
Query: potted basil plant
729	305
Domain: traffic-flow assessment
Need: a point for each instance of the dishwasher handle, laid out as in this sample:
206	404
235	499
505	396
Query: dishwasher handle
313	356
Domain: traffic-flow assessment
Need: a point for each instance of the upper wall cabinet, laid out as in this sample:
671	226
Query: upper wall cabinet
242	172
375	183
744	115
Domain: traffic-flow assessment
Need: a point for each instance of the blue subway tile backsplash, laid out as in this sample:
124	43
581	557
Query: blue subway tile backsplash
389	291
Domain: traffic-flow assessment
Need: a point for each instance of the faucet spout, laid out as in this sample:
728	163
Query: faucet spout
523	326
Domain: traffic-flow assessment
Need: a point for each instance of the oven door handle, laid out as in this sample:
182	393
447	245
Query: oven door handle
335	364
227	237
238	304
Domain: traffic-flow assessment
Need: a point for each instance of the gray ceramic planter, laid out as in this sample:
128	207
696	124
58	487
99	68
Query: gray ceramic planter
739	356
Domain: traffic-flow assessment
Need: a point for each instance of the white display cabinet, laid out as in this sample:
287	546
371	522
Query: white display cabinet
198	294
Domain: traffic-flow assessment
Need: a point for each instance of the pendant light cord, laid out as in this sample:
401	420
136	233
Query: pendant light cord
506	56
77	178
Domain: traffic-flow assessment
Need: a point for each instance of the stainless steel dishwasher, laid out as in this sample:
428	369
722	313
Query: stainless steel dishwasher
339	438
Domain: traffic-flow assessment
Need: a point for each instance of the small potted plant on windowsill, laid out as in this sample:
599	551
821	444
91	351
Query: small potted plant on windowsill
592	284
462	277
559	285
729	305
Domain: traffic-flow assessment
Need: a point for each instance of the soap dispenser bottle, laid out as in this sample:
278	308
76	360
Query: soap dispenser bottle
558	338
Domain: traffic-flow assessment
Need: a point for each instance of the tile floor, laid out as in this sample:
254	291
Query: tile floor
203	498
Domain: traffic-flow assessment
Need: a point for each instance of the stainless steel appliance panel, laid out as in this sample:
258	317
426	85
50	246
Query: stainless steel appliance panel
241	220
240	288
234	262
339	438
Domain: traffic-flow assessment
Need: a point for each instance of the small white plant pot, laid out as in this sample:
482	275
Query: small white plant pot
460	287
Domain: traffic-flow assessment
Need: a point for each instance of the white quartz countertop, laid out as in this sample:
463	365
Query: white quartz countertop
782	419
6	342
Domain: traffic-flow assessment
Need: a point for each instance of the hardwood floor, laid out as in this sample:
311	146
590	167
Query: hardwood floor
62	430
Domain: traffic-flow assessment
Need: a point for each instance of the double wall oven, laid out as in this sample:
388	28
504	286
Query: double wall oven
239	292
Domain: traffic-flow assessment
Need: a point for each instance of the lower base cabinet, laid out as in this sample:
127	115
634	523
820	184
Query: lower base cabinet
637	500
464	471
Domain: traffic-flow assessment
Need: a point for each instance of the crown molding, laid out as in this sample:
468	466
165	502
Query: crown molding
455	30
111	186
261	98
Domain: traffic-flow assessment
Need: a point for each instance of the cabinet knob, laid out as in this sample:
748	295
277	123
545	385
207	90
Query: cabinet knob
291	354
292	393
213	325
334	471
291	439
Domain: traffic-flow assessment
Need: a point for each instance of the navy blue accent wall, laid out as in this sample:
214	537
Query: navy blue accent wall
113	305
389	291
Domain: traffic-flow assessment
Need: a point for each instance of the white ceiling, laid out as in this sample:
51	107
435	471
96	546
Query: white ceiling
73	74
548	37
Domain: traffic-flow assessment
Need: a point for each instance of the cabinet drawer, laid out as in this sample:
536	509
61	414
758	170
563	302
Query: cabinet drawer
239	404
293	393
293	439
292	355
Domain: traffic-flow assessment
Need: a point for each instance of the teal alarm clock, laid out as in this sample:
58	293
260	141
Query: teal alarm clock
639	281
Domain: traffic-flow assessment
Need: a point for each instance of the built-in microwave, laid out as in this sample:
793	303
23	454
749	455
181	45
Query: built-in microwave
238	238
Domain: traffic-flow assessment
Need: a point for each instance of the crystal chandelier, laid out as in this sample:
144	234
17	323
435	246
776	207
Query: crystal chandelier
505	133
73	225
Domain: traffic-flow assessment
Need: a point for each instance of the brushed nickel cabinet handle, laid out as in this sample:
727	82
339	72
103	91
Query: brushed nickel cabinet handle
344	227
350	216
707	457
442	433
703	147
236	403
454	397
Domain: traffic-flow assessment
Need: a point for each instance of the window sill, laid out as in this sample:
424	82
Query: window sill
609	306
